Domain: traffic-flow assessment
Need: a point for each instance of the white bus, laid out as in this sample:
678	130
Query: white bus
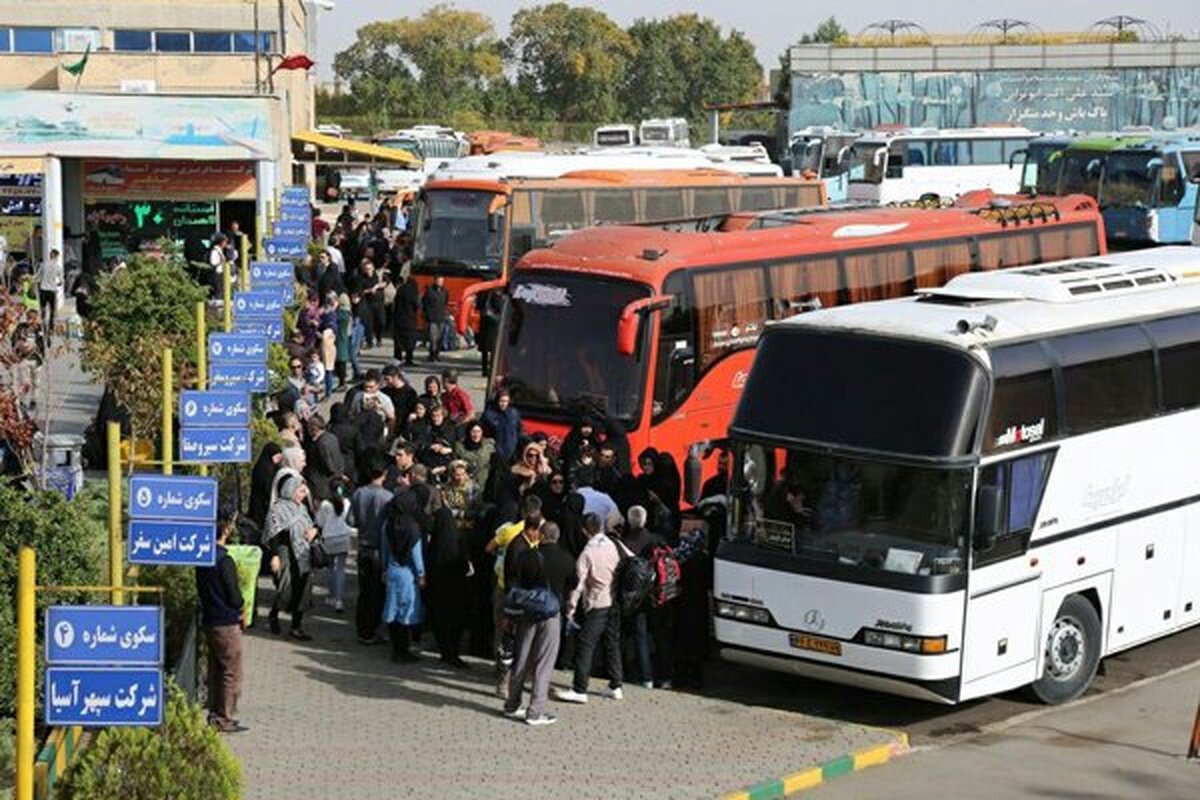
907	164
669	132
989	486
618	135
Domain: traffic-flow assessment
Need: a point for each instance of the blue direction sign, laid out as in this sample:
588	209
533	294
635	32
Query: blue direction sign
278	247
291	229
129	635
295	193
271	328
220	408
185	544
295	213
104	696
271	272
261	303
246	377
237	348
180	497
215	445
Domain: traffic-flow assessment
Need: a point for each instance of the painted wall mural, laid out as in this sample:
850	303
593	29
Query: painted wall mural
1046	100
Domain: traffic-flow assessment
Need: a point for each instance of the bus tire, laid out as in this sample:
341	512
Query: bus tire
1071	654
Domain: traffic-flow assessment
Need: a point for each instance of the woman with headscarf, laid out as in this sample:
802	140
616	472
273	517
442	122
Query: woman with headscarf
669	490
450	572
269	462
433	392
476	449
404	571
343	354
616	438
553	492
290	530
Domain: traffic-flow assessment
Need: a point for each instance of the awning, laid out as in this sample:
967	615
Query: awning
318	148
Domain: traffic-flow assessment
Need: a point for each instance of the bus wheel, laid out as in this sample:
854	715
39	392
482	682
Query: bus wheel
1072	652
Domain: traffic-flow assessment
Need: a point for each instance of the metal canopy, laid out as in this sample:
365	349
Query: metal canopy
318	148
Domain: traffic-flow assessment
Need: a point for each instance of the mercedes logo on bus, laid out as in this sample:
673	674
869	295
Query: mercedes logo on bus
813	620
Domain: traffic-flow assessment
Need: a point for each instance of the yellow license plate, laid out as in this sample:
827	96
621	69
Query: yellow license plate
802	641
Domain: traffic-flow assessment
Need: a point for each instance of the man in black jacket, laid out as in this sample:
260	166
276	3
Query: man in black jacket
435	306
404	319
559	568
220	597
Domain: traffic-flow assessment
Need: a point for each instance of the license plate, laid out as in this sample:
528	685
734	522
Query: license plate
802	641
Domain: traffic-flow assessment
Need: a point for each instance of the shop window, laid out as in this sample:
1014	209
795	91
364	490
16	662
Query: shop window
5	40
173	41
33	40
877	275
732	308
133	41
213	41
243	42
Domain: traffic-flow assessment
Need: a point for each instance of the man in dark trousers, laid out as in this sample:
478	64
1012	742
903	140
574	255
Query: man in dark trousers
221	615
368	505
405	306
559	568
435	306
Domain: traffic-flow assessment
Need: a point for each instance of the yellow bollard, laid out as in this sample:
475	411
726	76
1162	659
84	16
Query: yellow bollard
227	297
26	663
168	415
202	355
116	554
244	262
259	232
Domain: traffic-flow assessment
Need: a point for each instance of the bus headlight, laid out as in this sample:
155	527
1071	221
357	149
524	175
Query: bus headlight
925	645
743	613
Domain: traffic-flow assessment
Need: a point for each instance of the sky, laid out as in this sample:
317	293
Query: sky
774	24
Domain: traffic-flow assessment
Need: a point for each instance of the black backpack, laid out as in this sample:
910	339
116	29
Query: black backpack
635	580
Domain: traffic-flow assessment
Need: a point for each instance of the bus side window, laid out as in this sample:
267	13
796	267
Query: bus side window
675	372
731	307
1178	341
707	202
1024	405
614	205
1170	183
663	204
877	274
987	151
1021	483
562	211
1108	377
1191	166
937	263
1061	242
803	282
1007	249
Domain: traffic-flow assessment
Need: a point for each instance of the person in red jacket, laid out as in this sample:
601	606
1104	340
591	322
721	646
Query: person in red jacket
455	399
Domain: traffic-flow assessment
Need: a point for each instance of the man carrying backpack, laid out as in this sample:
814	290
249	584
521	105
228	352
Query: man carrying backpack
595	571
652	572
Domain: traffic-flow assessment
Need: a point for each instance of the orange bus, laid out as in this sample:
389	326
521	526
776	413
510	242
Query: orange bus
656	328
472	230
488	142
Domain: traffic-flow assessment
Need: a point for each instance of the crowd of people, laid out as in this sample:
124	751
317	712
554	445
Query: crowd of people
489	540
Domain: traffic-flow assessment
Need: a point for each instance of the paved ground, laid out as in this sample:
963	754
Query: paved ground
336	717
1128	744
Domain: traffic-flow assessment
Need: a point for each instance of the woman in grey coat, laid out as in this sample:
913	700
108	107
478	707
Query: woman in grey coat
290	532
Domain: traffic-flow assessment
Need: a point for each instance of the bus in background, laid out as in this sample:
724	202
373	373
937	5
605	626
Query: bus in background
907	164
434	144
484	143
1041	164
824	151
1082	163
670	132
982	488
620	135
655	329
1148	190
468	231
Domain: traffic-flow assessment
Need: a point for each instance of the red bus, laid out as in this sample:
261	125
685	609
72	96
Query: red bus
472	230
656	329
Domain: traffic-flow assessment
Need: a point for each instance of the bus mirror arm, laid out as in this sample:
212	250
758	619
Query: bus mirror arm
468	301
630	320
989	517
1012	160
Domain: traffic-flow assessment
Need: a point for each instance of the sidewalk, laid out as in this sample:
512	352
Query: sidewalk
1128	744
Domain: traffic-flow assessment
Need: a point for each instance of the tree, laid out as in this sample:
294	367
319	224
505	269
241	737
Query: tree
569	61
828	32
430	66
137	313
682	62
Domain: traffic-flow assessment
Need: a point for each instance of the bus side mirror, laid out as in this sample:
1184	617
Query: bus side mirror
1093	168
989	516
630	321
843	155
1151	165
468	301
692	472
1012	160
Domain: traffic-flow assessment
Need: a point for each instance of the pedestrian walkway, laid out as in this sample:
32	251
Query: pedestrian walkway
339	719
1127	744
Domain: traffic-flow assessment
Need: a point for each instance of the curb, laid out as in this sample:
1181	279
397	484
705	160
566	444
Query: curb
796	782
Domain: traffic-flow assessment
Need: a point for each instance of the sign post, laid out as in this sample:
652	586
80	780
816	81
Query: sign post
201	357
116	571
168	422
26	663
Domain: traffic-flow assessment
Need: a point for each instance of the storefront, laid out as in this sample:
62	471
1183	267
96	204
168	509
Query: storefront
20	205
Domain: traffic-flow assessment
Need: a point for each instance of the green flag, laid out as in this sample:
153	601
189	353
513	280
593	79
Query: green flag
79	66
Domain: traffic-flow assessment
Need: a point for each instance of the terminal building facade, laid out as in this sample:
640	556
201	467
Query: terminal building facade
122	121
1081	86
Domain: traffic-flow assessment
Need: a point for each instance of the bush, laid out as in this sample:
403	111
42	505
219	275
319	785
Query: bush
179	601
70	550
7	755
185	759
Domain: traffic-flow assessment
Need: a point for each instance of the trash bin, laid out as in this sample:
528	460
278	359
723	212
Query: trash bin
248	558
62	469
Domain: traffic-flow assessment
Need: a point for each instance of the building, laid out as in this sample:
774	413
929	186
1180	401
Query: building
1080	85
175	125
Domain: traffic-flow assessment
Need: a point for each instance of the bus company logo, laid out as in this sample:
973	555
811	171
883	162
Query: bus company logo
540	294
1022	434
814	620
739	379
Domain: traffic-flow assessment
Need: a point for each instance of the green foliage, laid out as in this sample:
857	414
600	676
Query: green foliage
185	758
234	479
138	312
828	32
7	755
682	62
178	600
70	550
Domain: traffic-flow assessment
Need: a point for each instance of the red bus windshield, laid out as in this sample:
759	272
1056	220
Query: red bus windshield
558	355
458	233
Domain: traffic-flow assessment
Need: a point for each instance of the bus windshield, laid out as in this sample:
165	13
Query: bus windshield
557	350
806	155
1080	173
865	514
1129	180
867	164
1043	165
458	230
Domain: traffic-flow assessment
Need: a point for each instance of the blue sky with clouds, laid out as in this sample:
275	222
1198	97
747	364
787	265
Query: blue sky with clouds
774	24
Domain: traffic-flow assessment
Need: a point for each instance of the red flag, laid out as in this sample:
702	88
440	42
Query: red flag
295	62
